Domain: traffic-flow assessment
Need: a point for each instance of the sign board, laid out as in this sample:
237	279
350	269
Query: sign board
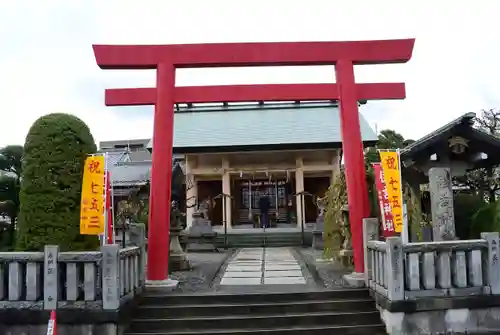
257	183
392	175
383	199
93	191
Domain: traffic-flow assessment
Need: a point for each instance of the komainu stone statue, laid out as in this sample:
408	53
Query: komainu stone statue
319	227
201	236
204	208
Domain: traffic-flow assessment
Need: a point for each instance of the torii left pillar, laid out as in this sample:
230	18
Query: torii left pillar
161	173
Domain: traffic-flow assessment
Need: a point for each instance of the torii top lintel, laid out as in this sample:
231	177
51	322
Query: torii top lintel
253	54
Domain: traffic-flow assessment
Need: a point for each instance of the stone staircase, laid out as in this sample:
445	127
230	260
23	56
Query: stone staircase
269	239
346	312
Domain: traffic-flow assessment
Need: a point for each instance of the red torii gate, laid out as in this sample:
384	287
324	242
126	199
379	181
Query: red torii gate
166	58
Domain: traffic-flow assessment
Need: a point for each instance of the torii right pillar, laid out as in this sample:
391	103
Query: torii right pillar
354	164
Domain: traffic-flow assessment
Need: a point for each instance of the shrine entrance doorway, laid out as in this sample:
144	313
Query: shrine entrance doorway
278	191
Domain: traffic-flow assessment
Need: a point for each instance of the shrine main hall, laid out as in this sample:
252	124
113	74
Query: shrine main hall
232	154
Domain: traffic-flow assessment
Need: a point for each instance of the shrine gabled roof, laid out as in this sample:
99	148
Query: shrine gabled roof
113	157
126	172
131	173
219	128
436	135
463	126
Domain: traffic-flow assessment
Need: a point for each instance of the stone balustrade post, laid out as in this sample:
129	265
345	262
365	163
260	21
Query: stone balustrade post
491	263
370	233
138	238
395	269
110	276
51	277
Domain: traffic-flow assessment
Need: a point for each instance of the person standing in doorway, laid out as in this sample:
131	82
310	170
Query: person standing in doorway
290	214
264	205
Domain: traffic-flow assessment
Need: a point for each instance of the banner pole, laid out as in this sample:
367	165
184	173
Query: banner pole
104	238
52	324
109	221
112	209
404	232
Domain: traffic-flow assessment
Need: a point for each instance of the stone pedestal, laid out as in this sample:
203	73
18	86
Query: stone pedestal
355	279
201	236
443	220
346	256
162	285
318	233
178	260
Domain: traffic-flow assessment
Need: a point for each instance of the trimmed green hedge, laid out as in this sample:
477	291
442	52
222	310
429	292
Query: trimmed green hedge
53	162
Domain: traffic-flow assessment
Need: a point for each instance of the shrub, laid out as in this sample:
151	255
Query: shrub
54	155
485	220
335	200
465	206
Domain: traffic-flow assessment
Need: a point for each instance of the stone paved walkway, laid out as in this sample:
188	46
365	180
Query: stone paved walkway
259	266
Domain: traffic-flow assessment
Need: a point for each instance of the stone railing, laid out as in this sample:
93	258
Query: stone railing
131	272
446	287
51	279
433	269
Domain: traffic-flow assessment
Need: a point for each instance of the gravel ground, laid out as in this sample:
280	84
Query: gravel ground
205	269
330	273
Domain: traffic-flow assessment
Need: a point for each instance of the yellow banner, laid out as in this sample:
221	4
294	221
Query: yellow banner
392	176
92	204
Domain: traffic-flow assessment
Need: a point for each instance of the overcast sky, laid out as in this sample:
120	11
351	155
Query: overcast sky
47	64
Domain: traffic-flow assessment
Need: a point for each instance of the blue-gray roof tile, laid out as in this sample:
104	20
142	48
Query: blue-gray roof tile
255	125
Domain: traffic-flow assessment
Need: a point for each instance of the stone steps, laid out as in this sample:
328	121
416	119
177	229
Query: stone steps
266	321
162	311
249	240
347	311
161	299
375	329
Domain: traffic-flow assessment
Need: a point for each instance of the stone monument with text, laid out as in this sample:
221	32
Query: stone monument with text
441	193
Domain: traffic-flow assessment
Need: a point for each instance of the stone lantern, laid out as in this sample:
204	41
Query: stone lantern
178	260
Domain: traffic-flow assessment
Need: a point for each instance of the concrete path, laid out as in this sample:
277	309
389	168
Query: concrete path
259	266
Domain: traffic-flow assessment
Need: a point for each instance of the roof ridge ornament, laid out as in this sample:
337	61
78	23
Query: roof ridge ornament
458	144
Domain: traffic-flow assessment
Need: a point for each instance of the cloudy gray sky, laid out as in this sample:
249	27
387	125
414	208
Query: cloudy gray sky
47	64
